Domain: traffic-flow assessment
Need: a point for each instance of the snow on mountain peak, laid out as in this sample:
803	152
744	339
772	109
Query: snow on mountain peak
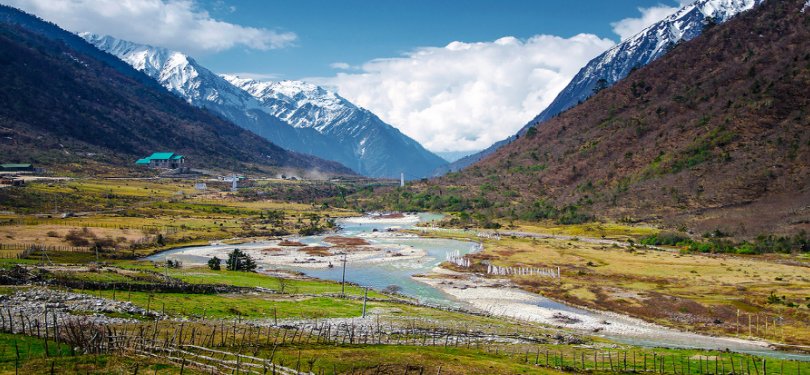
175	71
646	46
294	114
634	52
300	103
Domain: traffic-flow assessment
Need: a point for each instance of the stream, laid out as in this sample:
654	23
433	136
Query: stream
383	272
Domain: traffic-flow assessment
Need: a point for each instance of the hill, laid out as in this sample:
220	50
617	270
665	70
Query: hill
618	62
68	106
712	137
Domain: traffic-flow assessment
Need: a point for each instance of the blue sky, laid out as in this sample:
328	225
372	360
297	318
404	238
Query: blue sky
456	76
355	31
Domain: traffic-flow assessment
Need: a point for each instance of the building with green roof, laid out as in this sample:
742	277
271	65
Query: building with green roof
164	160
16	167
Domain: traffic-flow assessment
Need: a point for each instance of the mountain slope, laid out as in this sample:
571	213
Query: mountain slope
379	149
200	87
711	136
66	107
616	63
292	114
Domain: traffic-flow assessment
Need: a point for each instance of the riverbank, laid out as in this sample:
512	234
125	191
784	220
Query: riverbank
289	252
368	264
501	297
755	297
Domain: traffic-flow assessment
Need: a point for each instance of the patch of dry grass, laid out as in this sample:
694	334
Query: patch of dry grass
688	291
346	241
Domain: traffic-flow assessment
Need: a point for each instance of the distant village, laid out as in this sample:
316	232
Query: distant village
165	163
11	174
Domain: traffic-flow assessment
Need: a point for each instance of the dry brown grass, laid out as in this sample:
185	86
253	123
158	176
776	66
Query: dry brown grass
319	251
54	235
346	241
290	243
695	292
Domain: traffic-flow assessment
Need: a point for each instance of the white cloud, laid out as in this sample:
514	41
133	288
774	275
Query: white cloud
631	26
466	96
340	65
174	24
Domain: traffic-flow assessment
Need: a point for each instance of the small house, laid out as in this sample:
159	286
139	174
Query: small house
16	168
163	160
11	181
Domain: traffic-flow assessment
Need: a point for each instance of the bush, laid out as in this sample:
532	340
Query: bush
667	239
79	238
103	243
215	264
746	248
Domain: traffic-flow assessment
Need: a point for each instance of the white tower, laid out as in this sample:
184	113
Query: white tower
402	179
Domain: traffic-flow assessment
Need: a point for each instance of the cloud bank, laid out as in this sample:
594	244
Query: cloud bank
466	96
174	24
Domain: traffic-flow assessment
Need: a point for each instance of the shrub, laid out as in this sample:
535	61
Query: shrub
746	248
215	264
667	239
160	240
103	243
79	238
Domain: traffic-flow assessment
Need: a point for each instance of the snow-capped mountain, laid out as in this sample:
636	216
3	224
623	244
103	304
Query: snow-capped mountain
293	114
378	148
635	52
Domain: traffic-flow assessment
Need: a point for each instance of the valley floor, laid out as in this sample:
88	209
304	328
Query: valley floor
760	298
74	297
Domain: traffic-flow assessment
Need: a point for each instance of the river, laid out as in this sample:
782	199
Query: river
509	302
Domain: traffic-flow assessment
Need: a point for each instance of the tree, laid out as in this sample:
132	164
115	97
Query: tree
238	260
160	240
215	264
284	285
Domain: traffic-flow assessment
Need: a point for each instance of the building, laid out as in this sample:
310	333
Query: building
163	160
11	181
16	168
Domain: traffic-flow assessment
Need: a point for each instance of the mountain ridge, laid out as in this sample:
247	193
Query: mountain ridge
69	109
294	114
710	138
617	62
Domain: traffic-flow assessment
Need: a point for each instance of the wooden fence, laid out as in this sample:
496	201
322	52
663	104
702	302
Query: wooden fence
168	229
23	250
220	347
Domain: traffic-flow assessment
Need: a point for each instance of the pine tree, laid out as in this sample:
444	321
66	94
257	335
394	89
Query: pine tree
238	260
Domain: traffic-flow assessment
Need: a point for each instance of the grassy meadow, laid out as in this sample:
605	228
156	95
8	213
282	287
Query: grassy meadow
280	319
